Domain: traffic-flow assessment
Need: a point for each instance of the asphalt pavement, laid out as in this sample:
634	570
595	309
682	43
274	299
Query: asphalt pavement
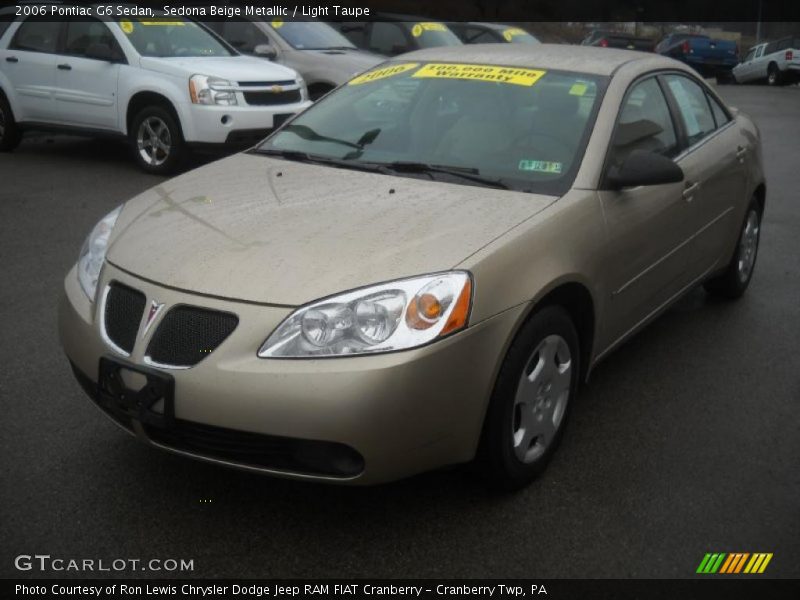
685	441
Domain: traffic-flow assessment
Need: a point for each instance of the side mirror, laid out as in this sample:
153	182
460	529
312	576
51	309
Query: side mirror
265	51
101	52
641	167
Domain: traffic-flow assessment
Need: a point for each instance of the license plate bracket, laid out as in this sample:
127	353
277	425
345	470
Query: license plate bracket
115	395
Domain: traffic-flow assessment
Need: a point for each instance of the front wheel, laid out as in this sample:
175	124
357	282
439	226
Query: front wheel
773	76
157	141
733	282
531	400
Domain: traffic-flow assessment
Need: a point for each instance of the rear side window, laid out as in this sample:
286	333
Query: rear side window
698	120
36	36
771	47
644	123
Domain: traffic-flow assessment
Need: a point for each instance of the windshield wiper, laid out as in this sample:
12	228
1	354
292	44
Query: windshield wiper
468	173
305	132
304	157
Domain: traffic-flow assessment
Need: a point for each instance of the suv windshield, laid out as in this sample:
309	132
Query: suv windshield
310	35
171	37
512	127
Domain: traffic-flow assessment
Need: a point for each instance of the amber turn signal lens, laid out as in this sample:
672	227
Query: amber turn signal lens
458	318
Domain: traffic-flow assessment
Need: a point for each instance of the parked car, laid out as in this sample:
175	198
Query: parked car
617	39
776	63
397	34
168	85
491	33
322	55
709	57
419	270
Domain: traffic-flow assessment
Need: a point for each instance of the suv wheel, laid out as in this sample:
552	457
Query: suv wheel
10	135
733	282
157	141
531	400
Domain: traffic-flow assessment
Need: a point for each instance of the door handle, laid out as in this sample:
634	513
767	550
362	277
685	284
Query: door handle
12	59
691	188
741	152
65	67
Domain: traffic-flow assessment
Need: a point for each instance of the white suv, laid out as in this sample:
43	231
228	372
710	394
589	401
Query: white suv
168	85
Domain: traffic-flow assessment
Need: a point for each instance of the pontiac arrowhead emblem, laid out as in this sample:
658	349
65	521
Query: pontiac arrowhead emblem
155	308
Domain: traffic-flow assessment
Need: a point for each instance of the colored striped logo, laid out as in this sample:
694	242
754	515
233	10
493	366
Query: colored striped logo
734	562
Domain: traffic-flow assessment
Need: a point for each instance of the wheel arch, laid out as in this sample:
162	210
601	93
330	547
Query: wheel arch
143	99
760	194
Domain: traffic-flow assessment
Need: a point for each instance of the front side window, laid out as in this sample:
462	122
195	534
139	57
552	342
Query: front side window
720	116
171	37
526	127
644	123
85	33
36	36
695	112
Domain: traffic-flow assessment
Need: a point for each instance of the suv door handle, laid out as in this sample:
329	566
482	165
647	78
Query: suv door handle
741	152
65	67
12	59
691	188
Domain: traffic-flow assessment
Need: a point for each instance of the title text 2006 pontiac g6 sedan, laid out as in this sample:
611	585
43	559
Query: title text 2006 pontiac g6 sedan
421	269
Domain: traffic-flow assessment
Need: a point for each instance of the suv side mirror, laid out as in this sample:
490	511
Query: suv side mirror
101	52
641	167
265	51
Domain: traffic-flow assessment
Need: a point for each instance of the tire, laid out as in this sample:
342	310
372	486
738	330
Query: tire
157	141
733	282
10	134
774	76
522	430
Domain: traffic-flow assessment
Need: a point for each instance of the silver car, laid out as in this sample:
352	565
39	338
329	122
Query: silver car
322	55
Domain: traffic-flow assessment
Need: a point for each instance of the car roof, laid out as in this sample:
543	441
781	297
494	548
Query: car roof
582	59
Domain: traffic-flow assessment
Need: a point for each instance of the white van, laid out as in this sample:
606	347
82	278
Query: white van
167	84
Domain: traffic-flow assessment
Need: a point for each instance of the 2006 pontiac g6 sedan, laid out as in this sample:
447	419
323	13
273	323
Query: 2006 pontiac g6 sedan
419	270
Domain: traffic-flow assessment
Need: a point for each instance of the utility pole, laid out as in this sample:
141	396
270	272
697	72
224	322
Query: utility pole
758	24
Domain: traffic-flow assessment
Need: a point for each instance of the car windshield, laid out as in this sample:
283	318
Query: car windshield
516	35
171	37
310	35
432	34
518	128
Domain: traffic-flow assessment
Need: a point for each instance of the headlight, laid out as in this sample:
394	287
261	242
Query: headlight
382	318
211	90
93	252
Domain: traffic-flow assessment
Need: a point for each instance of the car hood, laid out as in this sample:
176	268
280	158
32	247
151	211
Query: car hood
233	68
272	231
348	61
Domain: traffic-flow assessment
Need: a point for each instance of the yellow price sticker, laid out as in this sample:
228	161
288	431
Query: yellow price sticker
126	26
383	73
512	32
420	28
510	75
162	23
277	23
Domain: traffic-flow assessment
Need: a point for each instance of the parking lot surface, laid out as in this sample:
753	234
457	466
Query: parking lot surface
685	441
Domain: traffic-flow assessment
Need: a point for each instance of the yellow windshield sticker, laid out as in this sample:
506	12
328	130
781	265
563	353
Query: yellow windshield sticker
126	26
540	166
512	32
510	75
277	23
578	89
383	73
162	23
420	28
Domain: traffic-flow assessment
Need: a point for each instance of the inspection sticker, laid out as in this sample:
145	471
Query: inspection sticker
420	28
512	32
383	73
540	166
277	23
578	89
126	26
510	75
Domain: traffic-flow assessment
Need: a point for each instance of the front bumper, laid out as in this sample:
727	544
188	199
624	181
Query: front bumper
400	413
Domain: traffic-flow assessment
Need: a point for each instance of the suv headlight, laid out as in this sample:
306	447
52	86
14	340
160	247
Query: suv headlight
93	253
383	318
211	90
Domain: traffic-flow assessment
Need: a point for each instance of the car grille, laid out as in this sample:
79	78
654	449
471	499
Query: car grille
123	312
188	334
272	98
259	450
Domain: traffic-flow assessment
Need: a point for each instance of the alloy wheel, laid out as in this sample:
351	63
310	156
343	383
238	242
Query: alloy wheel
541	398
154	141
748	246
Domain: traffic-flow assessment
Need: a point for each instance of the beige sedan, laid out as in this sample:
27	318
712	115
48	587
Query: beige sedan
421	269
